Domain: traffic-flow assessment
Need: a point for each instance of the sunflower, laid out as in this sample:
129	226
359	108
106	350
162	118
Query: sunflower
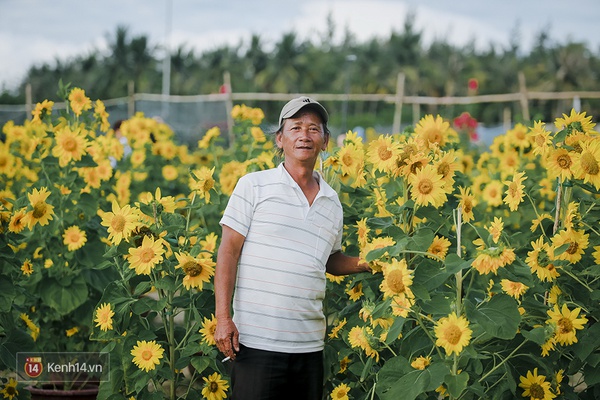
535	386
383	152
340	392
208	330
169	172
18	221
74	238
495	229
427	187
70	146
230	174
596	255
490	259
515	193
374	244
537	222
215	388
439	247
401	306
257	134
351	160
355	292
358	337
566	323
41	110
575	239
147	355
453	333
446	166
10	389
197	270
336	329
79	101
120	222
492	193
146	256
514	289
559	163
540	261
362	231
421	362
202	182
466	203
101	115
33	328
41	212
209	243
397	279
432	131
575	123
210	134
27	267
586	164
104	315
541	138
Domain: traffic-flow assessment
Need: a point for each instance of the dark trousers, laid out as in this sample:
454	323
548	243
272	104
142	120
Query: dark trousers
268	375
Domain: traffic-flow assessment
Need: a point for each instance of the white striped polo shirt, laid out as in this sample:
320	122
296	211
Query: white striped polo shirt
278	298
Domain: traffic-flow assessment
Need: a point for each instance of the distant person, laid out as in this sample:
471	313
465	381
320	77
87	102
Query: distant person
282	230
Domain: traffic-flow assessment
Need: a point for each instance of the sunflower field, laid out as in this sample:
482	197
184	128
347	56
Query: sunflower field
485	279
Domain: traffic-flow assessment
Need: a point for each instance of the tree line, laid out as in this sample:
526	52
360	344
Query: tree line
294	65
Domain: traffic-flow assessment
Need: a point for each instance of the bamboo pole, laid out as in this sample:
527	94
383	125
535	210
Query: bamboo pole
523	98
398	102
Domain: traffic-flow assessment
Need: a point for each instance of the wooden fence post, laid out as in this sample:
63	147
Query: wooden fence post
398	101
524	100
130	99
28	101
229	106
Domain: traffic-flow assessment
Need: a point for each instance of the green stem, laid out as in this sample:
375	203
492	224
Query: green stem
503	361
577	280
420	322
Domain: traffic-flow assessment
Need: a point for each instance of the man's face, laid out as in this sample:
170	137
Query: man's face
302	137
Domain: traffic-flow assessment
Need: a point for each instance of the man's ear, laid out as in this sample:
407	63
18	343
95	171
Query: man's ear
325	143
278	139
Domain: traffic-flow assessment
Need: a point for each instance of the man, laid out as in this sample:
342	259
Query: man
282	230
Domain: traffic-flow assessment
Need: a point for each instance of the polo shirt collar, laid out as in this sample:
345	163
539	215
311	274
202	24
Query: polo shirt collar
324	188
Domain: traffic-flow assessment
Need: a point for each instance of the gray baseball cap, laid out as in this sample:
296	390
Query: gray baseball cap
295	105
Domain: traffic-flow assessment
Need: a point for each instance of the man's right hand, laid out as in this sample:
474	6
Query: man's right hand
227	337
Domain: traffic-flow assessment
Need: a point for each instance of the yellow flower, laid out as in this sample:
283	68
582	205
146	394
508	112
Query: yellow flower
492	193
202	182
577	242
74	238
208	330
566	323
101	115
72	331
397	279
41	110
147	355
541	138
401	305
146	256
41	212
18	221
518	136
427	187
596	254
169	172
120	222
344	363
70	146
453	333
490	259
215	387
559	163
586	164
439	247
230	174
257	134
515	193
382	153
495	229
466	204
104	315
211	134
538	221
420	362
79	101
33	328
355	292
359	338
340	392
432	131
336	329
362	231
575	123
535	386
209	243
514	289
197	270
540	261
27	267
10	389
351	158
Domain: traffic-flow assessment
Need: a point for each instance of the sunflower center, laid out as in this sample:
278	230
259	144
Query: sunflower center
214	387
395	282
347	159
443	169
208	184
10	391
192	268
118	223
146	255
425	186
384	153
70	144
453	334
513	189
467	206
536	391
39	210
564	161
146	355
589	164
573	247
565	325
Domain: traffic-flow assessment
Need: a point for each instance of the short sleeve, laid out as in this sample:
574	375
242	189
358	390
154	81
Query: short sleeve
240	207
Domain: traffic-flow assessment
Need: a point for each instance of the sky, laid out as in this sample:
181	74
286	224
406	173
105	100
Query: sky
37	32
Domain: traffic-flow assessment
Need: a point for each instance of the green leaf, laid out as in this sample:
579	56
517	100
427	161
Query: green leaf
456	384
200	363
455	264
536	335
499	317
395	384
64	299
88	204
395	330
7	295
